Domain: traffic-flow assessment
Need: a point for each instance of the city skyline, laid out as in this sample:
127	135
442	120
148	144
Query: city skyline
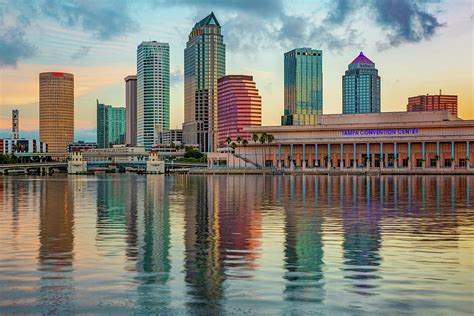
422	73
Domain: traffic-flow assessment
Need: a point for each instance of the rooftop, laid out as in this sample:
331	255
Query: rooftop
361	59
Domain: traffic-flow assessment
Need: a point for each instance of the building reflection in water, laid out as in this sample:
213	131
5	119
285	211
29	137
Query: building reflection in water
56	250
362	232
153	261
303	242
204	273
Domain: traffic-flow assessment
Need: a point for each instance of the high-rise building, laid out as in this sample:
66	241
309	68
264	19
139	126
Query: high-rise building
15	124
56	110
131	110
204	64
239	106
303	86
153	91
361	87
433	103
110	125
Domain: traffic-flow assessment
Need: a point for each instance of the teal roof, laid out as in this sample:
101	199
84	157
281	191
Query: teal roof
208	20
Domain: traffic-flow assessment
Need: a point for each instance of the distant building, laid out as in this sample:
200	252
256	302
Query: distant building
137	153
169	136
239	106
204	64
153	90
110	125
303	86
10	146
433	103
361	87
15	124
56	110
81	146
131	110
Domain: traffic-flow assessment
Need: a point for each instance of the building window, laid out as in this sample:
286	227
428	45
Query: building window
405	163
268	163
447	162
462	163
419	163
433	163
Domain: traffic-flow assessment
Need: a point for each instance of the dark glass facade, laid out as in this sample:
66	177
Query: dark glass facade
204	64
303	86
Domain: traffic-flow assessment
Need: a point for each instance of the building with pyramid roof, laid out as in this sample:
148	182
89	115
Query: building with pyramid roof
361	87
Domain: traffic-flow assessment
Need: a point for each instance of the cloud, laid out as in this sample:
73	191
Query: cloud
103	19
14	46
81	52
176	76
404	21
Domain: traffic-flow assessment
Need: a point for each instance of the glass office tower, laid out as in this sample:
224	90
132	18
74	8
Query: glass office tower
361	87
303	86
110	125
204	64
153	91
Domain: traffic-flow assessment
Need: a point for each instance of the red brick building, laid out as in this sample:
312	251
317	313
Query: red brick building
433	103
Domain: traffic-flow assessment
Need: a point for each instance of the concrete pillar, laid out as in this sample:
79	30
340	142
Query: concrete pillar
316	155
382	160
369	159
329	157
341	157
303	164
354	163
279	156
423	164
438	157
395	156
453	158
291	157
409	156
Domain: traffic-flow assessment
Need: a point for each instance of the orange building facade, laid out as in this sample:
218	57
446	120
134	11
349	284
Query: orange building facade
56	110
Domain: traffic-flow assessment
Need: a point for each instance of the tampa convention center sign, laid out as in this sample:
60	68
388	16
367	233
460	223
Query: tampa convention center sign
381	132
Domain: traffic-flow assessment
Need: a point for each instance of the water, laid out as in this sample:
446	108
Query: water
274	245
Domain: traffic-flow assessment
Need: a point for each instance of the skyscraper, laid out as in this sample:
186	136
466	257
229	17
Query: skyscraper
239	105
110	125
204	64
15	124
303	86
428	102
361	87
131	110
153	91
56	110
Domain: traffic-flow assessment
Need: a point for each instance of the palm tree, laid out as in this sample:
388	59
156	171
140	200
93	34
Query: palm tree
270	139
228	140
255	137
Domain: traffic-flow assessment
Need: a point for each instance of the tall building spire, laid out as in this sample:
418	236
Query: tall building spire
204	64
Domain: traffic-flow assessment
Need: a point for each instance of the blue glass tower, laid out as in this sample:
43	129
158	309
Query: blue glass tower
303	86
361	87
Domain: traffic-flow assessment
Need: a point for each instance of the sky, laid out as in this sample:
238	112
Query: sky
418	46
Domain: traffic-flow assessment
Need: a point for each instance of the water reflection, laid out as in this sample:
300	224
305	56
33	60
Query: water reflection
236	244
56	247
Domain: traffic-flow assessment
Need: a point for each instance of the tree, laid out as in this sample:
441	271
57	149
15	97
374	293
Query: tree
238	139
255	137
228	140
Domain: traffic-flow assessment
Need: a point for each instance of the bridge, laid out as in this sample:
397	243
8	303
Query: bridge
44	168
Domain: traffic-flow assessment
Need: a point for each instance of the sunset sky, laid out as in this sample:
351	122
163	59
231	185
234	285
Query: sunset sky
419	47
